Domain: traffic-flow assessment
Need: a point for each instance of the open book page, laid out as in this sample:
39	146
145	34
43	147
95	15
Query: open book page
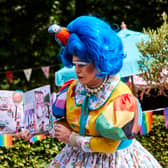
37	110
11	111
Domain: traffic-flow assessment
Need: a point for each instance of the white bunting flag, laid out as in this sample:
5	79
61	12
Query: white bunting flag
46	70
27	73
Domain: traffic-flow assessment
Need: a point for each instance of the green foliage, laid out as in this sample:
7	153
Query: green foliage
136	14
155	57
25	42
156	142
24	154
40	153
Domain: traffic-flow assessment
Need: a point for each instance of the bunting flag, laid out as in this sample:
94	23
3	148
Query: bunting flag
37	138
9	76
46	70
166	117
6	140
27	73
147	120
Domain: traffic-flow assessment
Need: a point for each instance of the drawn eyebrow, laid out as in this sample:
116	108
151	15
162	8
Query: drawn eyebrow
79	62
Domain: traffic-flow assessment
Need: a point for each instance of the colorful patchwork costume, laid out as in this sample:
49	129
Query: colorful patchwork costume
104	118
107	123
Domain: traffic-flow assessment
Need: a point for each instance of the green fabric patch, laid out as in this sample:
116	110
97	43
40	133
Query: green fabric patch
73	126
71	108
105	129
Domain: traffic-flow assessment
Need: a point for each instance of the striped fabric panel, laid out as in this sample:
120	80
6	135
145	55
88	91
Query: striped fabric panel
58	107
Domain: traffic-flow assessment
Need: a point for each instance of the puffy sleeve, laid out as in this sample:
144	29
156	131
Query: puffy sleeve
94	144
58	106
59	103
121	119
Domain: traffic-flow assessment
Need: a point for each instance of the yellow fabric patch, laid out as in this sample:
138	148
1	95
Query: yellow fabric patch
117	118
98	144
122	118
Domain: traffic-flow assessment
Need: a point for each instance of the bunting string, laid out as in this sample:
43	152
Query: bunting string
158	109
28	72
22	69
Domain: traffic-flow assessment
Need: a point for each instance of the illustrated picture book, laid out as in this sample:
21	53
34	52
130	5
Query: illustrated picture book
25	110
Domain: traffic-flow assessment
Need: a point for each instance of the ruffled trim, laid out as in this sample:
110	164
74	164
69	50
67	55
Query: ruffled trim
85	141
95	101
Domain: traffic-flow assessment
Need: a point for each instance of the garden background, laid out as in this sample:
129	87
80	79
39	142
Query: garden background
26	44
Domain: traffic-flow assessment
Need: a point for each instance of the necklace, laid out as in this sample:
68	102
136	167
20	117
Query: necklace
95	90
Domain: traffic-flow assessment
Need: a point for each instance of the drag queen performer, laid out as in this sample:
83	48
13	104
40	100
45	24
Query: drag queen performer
102	116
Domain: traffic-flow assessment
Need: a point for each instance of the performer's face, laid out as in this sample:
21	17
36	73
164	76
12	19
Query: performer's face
86	72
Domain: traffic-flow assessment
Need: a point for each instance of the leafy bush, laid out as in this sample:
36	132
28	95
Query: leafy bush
156	141
154	57
40	153
30	155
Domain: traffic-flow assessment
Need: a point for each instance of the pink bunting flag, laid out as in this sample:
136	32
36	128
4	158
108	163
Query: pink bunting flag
166	117
9	76
46	70
27	73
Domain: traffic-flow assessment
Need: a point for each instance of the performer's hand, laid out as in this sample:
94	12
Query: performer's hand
62	133
23	135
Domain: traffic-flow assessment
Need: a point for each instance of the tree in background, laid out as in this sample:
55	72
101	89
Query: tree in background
25	42
136	14
155	57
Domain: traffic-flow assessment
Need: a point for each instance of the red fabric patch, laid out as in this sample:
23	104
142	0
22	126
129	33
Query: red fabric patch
125	102
66	84
73	91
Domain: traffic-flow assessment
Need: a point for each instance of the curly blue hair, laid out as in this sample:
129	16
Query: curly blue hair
93	40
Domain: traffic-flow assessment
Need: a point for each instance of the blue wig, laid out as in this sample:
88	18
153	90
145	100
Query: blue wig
93	40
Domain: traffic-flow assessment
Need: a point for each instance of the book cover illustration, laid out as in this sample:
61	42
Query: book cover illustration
11	111
37	110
